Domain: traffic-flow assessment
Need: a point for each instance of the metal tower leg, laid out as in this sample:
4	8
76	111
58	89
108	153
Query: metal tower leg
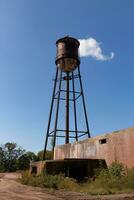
74	103
50	114
57	111
83	100
67	109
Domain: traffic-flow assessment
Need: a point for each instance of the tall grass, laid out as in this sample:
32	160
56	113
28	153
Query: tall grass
49	181
115	179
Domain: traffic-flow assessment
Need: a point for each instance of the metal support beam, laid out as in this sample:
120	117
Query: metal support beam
69	96
67	108
57	111
50	114
75	114
83	99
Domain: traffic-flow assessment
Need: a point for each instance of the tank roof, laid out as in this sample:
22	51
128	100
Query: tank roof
67	38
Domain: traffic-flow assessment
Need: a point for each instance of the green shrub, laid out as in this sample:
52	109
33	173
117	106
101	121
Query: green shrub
129	179
116	169
69	184
25	177
48	181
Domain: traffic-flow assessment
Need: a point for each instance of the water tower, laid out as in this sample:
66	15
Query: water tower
67	71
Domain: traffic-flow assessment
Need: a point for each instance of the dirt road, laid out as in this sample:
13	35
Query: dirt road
10	189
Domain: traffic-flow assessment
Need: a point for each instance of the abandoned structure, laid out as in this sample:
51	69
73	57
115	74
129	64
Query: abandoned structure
116	146
66	94
92	153
80	158
75	168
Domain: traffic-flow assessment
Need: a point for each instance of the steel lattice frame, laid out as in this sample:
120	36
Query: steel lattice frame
56	96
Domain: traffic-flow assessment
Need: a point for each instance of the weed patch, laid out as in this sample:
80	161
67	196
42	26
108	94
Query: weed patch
115	179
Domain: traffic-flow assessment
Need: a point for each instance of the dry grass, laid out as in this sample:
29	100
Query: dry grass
115	179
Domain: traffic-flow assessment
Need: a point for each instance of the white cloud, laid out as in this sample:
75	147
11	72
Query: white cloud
90	47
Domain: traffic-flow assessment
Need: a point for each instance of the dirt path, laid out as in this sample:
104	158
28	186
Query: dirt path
10	189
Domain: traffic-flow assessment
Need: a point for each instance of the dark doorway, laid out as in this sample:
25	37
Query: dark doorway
34	170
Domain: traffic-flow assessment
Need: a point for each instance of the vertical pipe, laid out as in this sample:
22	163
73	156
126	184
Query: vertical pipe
75	114
57	110
50	114
84	106
67	108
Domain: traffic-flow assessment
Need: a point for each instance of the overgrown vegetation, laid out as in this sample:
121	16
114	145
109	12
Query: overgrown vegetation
48	181
115	179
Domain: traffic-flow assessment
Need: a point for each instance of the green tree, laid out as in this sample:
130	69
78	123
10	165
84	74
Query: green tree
31	156
49	155
9	153
23	161
2	158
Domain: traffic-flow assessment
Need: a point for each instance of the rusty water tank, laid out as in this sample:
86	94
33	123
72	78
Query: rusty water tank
67	58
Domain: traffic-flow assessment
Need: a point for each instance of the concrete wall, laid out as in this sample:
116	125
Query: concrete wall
37	167
118	145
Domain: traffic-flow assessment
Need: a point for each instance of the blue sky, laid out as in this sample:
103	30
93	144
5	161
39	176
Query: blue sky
28	31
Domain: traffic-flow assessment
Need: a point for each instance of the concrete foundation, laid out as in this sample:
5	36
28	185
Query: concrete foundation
37	167
79	159
74	168
116	146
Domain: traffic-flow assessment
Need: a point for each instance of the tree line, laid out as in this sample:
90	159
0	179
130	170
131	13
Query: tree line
14	157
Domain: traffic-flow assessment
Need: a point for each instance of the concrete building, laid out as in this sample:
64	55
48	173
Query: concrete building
116	146
79	159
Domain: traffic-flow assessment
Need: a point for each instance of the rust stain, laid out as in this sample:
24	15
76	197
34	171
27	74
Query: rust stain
118	145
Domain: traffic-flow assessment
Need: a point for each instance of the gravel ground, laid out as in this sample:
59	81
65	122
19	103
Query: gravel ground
10	189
